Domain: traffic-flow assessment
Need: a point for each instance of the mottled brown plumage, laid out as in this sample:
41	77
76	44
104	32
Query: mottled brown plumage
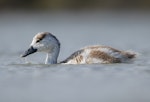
46	42
104	56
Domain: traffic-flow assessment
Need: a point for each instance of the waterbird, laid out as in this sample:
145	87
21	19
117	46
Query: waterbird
47	42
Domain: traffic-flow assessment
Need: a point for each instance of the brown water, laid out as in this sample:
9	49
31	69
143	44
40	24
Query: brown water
36	82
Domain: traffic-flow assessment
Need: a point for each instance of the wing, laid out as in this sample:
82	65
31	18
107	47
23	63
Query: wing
73	56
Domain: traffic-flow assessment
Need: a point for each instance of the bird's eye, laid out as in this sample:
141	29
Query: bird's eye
38	41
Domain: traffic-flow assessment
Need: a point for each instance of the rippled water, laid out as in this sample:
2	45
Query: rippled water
36	82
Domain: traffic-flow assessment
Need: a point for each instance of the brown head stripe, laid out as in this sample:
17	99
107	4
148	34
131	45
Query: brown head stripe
41	35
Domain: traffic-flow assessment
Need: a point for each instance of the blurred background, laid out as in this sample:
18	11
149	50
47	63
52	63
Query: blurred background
81	22
122	24
73	4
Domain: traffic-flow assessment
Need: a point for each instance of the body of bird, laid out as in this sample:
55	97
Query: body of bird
46	42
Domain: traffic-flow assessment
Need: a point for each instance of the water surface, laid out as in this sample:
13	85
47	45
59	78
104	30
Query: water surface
36	82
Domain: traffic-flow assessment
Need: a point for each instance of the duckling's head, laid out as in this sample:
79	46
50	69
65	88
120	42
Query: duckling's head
43	42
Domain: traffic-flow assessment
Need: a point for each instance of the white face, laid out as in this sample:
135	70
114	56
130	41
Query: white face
42	42
45	44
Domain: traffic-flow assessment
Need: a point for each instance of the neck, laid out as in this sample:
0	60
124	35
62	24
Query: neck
51	57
